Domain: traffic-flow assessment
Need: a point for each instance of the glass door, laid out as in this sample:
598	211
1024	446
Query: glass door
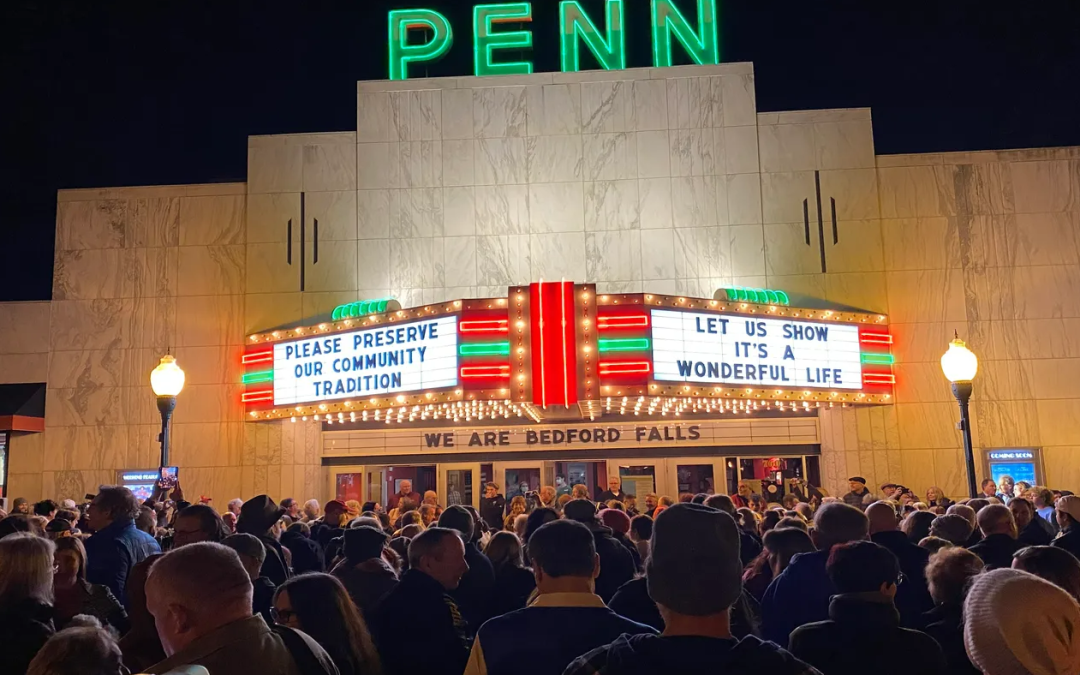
636	477
459	484
695	475
772	477
348	483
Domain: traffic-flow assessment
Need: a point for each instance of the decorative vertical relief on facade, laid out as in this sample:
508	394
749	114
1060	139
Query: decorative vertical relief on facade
819	210
303	242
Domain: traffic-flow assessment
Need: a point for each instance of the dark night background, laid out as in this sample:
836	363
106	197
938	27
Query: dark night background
101	93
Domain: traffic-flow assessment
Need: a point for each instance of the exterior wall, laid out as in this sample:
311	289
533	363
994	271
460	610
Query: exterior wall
665	180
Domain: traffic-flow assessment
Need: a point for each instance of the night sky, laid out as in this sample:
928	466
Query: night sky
101	93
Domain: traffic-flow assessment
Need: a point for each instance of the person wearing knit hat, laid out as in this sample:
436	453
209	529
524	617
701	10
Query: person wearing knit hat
694	575
367	577
1043	639
617	564
20	505
860	496
333	512
1067	511
619	524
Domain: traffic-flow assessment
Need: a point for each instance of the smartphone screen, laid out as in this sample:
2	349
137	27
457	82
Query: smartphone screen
169	476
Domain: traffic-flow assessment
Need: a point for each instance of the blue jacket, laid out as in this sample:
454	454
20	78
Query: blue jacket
112	552
544	638
800	595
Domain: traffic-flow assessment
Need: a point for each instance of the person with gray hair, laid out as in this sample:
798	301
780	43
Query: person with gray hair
252	554
234	506
200	596
117	545
801	593
695	577
999	542
952	527
78	651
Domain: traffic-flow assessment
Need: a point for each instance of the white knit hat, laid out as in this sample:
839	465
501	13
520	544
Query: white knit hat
1070	504
1018	624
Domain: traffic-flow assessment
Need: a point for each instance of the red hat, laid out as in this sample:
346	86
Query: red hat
615	519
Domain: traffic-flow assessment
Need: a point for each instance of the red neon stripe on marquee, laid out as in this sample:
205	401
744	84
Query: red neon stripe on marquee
257	357
485	326
624	367
875	338
256	396
879	378
605	322
554	364
483	372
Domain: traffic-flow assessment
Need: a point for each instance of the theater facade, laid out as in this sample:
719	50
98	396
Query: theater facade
557	278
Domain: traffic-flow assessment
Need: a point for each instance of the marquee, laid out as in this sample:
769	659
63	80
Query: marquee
560	351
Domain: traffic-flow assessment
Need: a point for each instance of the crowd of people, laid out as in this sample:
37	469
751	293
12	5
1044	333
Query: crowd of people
551	582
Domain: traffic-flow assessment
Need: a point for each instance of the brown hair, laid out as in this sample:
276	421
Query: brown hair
73	544
949	572
504	549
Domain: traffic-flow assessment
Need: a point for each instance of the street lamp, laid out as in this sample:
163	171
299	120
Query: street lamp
167	380
960	365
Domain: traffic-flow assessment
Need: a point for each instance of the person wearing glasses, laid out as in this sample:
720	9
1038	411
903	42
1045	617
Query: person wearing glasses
863	624
913	598
319	605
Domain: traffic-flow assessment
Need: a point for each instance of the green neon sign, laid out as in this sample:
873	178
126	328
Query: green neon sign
623	345
485	349
486	40
364	307
577	27
425	35
402	53
877	359
258	377
761	296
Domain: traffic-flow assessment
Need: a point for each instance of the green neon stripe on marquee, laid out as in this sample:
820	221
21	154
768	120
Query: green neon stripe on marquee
610	52
624	345
761	296
486	40
878	359
258	377
361	308
701	43
485	349
402	53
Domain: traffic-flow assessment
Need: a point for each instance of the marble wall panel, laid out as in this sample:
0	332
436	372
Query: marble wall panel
612	205
413	164
742	193
858	247
919	244
693	201
415	115
336	212
747	249
698	102
613	256
372	117
373	263
92	224
275	167
553	109
741	150
416	263
739	100
691	152
336	269
553	158
1046	239
611	156
457	114
217	221
416	212
211	270
844	145
460	259
556	207
268	216
607	106
1059	421
787	147
1045	187
266	271
87	274
459	211
153	221
654	202
865	290
374	170
23	368
499	112
500	161
925	295
557	256
782	196
657	255
206	321
459	166
502	209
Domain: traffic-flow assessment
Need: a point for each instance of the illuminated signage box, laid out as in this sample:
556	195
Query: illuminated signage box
560	346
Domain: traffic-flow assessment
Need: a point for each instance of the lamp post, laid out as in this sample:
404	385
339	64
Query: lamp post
167	380
960	365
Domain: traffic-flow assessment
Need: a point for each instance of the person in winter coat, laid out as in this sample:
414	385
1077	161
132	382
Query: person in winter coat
26	595
513	581
864	625
616	561
801	593
860	496
694	576
74	595
474	593
1056	565
117	545
912	597
307	555
948	575
999	543
1031	529
619	523
492	507
1067	511
418	627
781	545
260	516
366	575
749	543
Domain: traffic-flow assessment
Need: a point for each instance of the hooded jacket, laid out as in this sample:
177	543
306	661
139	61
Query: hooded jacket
366	582
307	555
653	654
800	595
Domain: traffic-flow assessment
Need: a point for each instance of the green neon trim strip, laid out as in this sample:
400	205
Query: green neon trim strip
610	52
878	359
701	43
363	308
260	376
485	349
624	345
761	296
402	53
486	40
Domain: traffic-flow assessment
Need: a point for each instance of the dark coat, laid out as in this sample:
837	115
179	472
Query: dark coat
492	510
749	547
262	598
307	555
800	595
274	567
367	582
607	495
96	601
112	552
475	593
616	563
1069	540
860	633
945	623
996	550
24	628
632	601
418	629
688	654
630	546
912	597
513	586
1035	534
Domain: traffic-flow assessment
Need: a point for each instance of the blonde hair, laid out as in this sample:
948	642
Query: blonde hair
26	568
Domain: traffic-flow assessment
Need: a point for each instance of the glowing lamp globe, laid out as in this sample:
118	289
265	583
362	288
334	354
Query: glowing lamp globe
959	363
167	379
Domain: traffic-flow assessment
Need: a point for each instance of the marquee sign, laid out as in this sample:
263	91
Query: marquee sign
558	350
425	35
